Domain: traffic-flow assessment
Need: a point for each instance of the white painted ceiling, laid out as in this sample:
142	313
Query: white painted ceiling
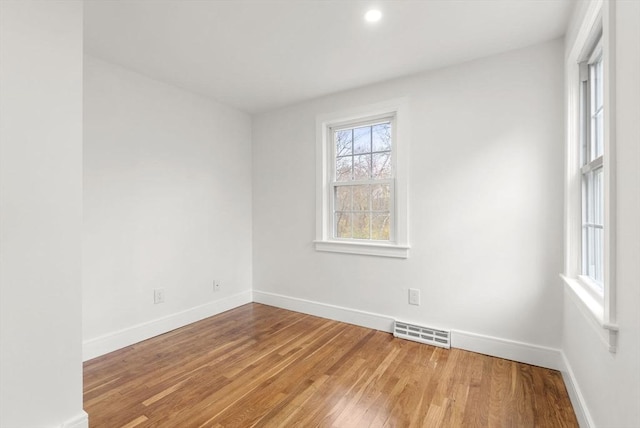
258	55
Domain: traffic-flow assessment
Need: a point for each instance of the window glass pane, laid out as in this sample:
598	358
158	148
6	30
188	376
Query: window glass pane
594	197
596	109
361	197
361	223
362	140
342	201
585	252
586	220
343	168
587	214
343	225
362	167
381	137
598	134
381	165
590	258
593	226
598	197
594	256
598	256
380	226
598	84
344	142
584	125
593	102
381	197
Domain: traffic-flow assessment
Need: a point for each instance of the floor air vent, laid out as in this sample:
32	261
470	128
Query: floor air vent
430	336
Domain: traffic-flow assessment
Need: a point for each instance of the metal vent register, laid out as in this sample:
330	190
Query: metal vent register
430	336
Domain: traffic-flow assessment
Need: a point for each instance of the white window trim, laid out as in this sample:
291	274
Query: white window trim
399	246
599	308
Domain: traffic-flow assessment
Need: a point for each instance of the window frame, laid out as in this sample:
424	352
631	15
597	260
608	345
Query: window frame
397	246
597	304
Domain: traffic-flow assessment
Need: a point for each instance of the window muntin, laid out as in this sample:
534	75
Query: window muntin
362	181
592	168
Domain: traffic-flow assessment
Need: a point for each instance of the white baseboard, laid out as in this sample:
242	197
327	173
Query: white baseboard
119	339
496	347
81	420
508	349
323	310
577	399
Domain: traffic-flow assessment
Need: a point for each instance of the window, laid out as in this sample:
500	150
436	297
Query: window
589	273
361	188
362	181
592	171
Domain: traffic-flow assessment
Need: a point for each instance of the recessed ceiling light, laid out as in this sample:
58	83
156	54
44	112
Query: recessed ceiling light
374	15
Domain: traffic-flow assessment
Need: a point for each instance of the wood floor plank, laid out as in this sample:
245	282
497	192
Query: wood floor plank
259	366
136	422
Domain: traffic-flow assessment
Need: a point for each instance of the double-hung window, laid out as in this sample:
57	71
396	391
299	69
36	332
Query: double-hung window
361	181
589	271
592	171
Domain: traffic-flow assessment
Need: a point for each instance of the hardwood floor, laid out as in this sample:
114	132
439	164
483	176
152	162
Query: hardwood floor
262	366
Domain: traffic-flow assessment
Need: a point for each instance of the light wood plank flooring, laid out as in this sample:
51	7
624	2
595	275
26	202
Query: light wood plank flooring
267	367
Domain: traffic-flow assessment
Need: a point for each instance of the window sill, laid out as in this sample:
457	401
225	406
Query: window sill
593	310
364	248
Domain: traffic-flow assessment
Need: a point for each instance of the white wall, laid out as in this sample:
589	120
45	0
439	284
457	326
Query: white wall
167	204
485	210
609	383
40	214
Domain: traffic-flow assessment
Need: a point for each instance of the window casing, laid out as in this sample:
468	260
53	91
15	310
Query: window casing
361	181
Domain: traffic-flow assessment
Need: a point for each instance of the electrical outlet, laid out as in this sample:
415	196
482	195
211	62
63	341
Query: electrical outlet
414	296
158	295
216	285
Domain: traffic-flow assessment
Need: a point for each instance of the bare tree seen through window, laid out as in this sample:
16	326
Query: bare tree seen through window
362	187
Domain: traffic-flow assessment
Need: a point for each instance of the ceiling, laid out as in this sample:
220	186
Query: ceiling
258	55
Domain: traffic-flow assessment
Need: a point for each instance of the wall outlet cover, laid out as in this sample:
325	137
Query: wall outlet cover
158	295
414	296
